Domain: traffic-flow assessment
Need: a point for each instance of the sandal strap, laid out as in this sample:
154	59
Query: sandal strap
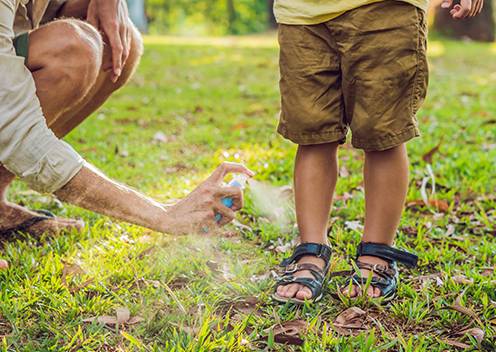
386	286
319	250
380	269
387	253
294	267
315	286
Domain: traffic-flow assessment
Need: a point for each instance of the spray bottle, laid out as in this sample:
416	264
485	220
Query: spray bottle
238	180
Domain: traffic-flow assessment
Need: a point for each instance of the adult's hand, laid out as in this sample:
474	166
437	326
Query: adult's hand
111	17
92	190
466	9
196	212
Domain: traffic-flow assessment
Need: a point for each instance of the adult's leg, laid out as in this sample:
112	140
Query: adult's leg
315	178
65	58
386	175
103	87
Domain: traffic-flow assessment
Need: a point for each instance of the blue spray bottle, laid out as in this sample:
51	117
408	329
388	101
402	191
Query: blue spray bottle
238	180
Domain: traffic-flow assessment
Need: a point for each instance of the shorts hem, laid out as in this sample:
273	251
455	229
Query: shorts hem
388	143
312	138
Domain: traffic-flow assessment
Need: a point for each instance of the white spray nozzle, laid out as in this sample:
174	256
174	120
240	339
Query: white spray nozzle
239	180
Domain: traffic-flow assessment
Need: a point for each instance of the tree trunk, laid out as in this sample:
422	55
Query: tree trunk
480	28
231	13
270	10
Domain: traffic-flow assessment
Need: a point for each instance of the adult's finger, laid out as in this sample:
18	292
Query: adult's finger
224	212
463	9
125	43
3	264
234	193
227	168
227	215
446	4
114	38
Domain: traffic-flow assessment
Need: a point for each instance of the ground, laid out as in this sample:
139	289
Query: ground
196	102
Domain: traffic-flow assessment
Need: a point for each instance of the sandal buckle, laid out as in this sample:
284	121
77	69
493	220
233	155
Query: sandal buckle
380	268
291	268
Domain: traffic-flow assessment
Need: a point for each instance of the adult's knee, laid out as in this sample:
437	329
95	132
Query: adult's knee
71	52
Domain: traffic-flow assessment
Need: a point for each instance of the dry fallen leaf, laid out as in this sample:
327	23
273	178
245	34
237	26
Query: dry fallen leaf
160	137
73	269
461	280
352	316
252	300
427	157
187	329
343	197
487	271
436	203
428	277
239	126
477	333
122	317
248	308
287	332
123	314
241	225
343	171
355	225
463	310
457	344
290	327
84	284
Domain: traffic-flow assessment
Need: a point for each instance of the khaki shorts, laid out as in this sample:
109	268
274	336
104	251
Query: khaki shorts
365	70
21	42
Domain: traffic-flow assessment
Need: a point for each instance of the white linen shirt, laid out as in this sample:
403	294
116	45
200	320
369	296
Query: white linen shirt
28	148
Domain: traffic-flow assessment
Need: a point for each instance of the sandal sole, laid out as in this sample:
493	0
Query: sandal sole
295	300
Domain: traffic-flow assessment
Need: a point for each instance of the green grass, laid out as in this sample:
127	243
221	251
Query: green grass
217	99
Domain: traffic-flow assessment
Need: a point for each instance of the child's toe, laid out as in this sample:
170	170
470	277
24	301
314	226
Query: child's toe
303	293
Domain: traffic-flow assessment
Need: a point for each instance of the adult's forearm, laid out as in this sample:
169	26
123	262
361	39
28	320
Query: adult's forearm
92	190
195	213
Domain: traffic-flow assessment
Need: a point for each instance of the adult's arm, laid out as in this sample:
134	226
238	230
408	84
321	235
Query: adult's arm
466	9
92	190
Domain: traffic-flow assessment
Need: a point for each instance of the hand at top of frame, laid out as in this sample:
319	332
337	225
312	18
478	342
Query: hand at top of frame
111	17
466	9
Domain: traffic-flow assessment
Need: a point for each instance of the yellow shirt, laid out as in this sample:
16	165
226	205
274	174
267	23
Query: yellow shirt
318	11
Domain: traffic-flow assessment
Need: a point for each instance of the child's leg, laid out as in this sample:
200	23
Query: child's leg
386	185
315	177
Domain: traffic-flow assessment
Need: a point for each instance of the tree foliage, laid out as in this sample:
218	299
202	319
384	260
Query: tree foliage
207	17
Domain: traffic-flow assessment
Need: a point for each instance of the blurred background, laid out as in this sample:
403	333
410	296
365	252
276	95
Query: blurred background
241	17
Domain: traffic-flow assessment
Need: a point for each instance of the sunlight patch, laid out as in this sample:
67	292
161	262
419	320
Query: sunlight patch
435	49
249	41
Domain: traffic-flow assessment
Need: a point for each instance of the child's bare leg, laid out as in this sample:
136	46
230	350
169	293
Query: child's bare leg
315	177
386	185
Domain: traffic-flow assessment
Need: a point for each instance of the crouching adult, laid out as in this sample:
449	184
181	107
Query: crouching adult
53	77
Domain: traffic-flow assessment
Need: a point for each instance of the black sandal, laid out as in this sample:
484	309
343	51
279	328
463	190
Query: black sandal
289	266
46	215
389	274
